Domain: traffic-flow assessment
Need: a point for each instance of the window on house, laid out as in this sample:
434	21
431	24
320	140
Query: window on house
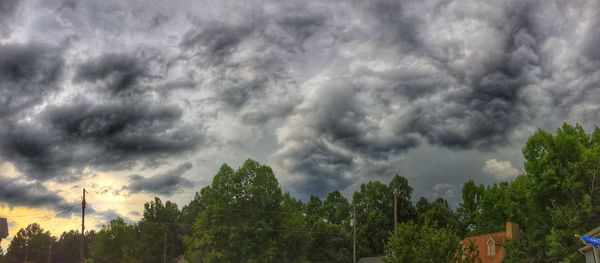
491	247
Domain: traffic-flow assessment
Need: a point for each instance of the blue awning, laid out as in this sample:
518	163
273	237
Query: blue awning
592	241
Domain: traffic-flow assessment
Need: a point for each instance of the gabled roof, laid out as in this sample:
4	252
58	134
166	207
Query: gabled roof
594	232
497	237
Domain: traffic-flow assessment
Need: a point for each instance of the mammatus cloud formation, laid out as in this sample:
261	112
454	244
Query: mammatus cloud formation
329	93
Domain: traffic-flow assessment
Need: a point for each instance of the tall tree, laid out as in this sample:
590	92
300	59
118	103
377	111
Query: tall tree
31	244
247	218
336	209
67	248
424	243
115	242
374	217
440	214
190	212
468	209
559	185
402	190
159	225
313	209
329	222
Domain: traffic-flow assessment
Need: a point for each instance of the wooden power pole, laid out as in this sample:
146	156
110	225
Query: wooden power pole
354	235
165	247
395	212
50	253
82	256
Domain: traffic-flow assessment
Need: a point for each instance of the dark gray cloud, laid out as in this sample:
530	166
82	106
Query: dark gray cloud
8	9
215	42
165	183
63	140
489	107
592	40
329	136
28	73
14	192
401	27
103	217
340	91
117	73
416	88
244	62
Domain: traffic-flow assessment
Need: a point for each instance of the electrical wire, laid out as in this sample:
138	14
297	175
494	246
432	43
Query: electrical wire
41	214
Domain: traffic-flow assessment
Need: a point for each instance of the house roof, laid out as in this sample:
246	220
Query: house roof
594	232
481	242
498	237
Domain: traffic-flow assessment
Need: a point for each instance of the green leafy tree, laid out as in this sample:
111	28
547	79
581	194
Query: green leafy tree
190	212
31	244
330	243
556	194
374	217
400	187
336	209
493	209
440	214
160	221
329	222
313	209
423	243
115	242
67	248
468	210
247	219
421	206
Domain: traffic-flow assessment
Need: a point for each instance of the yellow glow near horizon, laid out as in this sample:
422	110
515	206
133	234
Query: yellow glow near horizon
56	223
21	217
105	193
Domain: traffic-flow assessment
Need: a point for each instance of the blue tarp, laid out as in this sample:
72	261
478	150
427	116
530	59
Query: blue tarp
592	241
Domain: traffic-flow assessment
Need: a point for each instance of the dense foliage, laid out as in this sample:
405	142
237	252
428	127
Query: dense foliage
245	216
425	243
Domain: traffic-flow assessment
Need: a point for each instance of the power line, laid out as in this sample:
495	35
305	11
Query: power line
206	208
40	214
295	230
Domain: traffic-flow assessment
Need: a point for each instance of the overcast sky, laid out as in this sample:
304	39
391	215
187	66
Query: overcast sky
132	99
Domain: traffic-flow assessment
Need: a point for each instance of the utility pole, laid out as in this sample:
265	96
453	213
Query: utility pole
395	212
50	253
82	226
26	253
165	248
354	238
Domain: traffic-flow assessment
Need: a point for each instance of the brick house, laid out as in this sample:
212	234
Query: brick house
491	245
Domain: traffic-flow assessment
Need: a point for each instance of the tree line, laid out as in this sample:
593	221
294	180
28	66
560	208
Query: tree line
245	216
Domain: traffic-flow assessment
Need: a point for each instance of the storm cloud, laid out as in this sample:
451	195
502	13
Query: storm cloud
329	93
63	140
166	183
28	73
32	194
117	73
